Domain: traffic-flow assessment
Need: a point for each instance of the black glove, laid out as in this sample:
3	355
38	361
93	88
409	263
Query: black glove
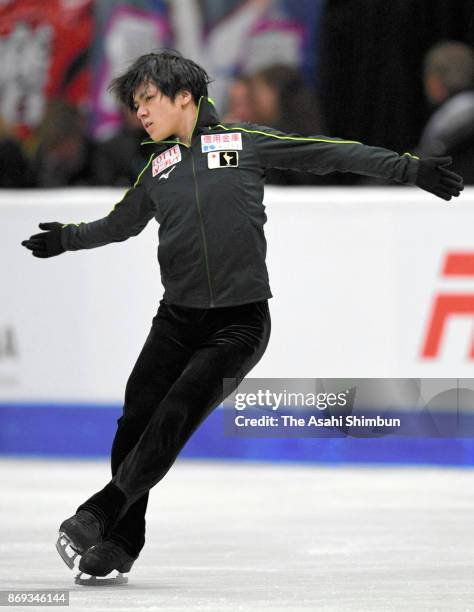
46	244
433	177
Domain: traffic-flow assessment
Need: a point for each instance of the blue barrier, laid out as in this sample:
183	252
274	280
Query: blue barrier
81	430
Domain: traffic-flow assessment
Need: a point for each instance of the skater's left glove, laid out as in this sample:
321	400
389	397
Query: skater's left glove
46	244
434	177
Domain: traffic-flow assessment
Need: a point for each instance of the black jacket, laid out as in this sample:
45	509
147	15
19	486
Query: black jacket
207	199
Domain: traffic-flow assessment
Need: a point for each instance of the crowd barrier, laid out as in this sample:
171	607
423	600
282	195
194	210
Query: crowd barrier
367	282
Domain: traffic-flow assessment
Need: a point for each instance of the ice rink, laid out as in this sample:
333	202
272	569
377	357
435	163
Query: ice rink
253	536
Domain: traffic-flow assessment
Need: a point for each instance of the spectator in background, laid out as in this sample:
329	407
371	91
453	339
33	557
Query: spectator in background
239	103
65	155
121	158
449	86
280	99
14	166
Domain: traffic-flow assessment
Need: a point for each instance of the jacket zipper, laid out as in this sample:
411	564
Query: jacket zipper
196	191
204	243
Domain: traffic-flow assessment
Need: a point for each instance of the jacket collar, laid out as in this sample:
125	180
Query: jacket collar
206	116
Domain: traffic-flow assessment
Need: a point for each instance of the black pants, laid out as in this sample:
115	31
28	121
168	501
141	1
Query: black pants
176	382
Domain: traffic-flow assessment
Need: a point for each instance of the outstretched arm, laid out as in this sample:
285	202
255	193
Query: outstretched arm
322	154
127	218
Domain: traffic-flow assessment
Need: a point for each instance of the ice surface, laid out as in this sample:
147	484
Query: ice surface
251	537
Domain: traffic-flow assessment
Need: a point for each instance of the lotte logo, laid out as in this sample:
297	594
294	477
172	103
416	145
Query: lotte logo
447	305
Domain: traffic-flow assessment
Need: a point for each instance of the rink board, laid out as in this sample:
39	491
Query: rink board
356	275
356	282
77	430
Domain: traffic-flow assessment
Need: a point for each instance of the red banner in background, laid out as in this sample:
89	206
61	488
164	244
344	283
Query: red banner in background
45	50
45	47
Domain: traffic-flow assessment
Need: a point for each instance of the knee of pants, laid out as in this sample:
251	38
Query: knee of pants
132	425
139	407
141	396
171	430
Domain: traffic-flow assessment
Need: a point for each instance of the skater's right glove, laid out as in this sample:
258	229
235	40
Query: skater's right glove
433	177
46	244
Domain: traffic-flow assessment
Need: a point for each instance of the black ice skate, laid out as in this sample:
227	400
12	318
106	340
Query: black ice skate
80	532
102	559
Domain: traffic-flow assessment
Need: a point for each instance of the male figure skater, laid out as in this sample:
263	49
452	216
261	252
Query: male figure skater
203	183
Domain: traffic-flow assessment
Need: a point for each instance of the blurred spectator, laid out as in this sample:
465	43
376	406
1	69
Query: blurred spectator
14	167
280	99
64	155
239	103
449	86
121	158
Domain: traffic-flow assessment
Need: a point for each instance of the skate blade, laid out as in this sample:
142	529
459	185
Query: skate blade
62	544
95	581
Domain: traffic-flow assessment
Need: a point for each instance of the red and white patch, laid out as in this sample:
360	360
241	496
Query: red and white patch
166	159
218	142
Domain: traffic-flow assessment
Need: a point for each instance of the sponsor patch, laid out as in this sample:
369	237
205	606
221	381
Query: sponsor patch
218	142
222	159
166	159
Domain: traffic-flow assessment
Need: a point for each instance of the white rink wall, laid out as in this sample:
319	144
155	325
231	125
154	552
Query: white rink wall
354	272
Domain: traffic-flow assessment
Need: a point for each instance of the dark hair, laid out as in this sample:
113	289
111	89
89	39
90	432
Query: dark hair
168	70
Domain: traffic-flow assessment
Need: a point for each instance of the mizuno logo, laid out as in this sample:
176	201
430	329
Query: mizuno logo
165	175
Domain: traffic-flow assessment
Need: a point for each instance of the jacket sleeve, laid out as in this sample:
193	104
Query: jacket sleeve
323	154
127	218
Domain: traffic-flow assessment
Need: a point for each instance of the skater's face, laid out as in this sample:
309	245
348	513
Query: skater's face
160	116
